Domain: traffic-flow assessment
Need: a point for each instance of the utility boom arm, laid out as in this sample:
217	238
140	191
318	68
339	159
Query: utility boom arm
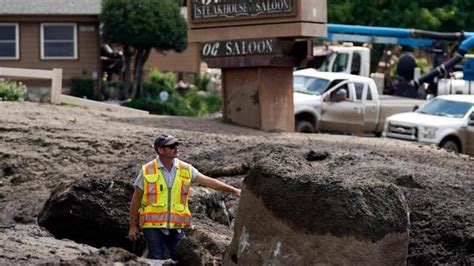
387	35
409	37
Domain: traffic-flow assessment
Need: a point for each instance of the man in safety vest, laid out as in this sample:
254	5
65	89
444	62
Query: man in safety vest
160	201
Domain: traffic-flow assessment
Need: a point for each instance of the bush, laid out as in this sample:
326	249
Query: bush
202	82
195	102
166	81
153	90
12	91
174	106
83	87
114	89
202	102
214	103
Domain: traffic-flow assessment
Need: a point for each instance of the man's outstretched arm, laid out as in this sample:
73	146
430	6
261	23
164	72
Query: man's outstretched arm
216	184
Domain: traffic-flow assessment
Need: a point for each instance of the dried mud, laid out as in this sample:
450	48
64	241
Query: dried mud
43	145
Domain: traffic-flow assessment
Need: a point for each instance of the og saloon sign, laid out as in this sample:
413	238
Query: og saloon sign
240	48
240	9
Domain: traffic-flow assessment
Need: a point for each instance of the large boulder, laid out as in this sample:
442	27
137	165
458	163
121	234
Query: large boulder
298	209
90	211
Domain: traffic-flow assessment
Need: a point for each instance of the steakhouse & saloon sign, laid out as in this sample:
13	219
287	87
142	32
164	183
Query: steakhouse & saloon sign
206	10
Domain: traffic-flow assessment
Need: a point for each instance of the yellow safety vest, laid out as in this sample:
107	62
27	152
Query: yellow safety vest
161	207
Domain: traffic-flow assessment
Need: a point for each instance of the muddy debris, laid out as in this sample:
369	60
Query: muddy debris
41	148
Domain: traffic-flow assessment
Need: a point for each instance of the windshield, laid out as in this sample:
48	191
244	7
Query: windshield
329	58
338	60
309	85
441	107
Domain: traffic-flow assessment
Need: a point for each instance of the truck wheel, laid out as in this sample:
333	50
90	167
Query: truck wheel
304	127
450	145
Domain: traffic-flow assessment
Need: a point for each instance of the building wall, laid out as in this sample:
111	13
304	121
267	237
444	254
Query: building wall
88	48
186	62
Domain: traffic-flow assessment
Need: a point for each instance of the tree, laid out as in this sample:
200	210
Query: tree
435	15
139	26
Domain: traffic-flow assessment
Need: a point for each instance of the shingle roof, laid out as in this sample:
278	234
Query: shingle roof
50	7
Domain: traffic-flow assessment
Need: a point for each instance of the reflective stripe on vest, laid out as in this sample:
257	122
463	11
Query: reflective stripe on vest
151	168
154	207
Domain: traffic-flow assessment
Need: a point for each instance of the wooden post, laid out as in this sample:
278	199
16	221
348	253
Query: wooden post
56	85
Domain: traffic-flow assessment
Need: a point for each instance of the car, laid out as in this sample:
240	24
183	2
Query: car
446	121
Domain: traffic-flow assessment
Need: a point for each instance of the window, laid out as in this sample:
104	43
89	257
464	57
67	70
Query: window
355	66
309	85
359	89
9	41
446	108
340	94
58	41
369	95
340	63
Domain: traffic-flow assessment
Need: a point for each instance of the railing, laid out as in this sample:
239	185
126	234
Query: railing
56	76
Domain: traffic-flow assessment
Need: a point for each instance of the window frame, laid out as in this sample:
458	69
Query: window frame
75	42
17	41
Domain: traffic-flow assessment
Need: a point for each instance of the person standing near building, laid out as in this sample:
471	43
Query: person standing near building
159	205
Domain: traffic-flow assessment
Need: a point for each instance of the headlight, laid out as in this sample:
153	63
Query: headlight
429	132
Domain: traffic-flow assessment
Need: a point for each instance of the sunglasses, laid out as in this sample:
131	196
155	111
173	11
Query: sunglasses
172	146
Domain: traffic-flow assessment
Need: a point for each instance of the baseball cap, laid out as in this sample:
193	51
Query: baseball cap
341	92
163	140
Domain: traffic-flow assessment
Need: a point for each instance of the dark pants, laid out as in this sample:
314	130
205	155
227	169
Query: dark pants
156	239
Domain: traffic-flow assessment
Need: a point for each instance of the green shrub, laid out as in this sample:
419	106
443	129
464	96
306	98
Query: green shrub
114	89
202	82
214	103
173	106
203	103
12	91
83	87
153	90
167	81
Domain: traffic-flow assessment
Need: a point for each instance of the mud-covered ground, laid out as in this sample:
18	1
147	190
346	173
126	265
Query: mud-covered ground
42	145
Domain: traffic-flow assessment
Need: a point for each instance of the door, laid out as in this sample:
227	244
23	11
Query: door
341	114
470	136
370	105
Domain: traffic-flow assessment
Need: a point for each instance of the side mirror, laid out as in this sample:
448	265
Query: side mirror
471	120
415	108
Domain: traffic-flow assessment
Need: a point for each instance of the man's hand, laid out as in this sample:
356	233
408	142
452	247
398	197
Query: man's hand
133	233
236	192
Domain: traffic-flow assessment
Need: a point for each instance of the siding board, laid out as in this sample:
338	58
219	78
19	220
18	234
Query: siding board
88	60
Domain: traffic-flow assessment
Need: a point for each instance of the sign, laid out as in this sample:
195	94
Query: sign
206	10
240	47
83	28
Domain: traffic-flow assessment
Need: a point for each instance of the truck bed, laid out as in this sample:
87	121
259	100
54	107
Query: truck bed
390	105
387	99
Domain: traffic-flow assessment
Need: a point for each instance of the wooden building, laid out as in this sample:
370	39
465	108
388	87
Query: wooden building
46	34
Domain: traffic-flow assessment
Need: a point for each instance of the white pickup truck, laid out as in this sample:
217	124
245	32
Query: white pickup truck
446	121
364	111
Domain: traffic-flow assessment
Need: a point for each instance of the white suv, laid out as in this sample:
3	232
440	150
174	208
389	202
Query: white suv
446	121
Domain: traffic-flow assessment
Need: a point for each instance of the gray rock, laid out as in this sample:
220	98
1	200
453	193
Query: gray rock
91	211
294	212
